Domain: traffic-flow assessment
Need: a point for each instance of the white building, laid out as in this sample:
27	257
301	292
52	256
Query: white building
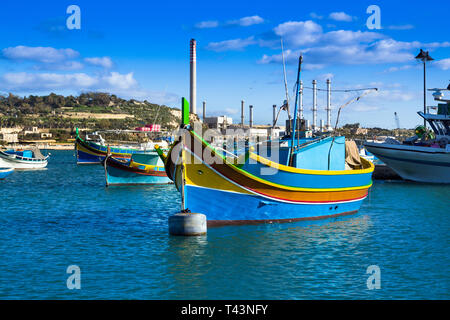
221	122
9	137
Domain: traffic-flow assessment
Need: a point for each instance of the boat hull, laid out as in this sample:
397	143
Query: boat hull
229	194
119	173
92	153
420	164
238	208
22	164
4	172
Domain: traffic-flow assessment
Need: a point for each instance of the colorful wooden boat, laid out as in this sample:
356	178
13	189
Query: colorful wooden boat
91	152
22	160
230	192
141	169
4	172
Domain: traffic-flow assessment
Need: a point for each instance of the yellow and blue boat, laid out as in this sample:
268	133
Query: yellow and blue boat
92	152
317	185
300	179
142	169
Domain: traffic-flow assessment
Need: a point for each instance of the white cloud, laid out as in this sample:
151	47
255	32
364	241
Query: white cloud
247	21
297	33
341	46
39	54
159	97
383	99
315	16
377	100
24	81
243	22
345	54
120	81
64	66
401	68
325	76
443	64
124	85
207	24
231	45
347	36
340	16
43	81
104	62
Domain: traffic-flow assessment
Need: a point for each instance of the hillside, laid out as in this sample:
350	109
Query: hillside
93	110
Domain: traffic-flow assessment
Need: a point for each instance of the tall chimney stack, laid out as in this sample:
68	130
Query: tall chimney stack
314	109
274	116
328	104
193	98
204	110
242	113
251	116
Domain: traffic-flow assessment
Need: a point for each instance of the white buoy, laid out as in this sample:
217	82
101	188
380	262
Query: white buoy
187	224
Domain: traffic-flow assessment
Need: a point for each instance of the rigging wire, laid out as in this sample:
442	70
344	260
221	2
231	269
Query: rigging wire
342	90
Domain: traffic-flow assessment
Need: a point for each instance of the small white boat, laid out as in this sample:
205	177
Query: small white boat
424	157
22	160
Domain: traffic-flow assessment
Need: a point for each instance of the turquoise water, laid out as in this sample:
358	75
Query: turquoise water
64	215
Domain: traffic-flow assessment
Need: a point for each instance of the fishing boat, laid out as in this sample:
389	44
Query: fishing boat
23	159
312	179
93	149
142	169
4	172
425	157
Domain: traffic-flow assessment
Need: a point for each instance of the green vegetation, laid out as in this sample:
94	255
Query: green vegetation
354	131
51	112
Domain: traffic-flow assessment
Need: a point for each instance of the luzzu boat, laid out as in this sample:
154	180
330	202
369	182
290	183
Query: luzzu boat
4	172
141	169
250	188
24	159
95	151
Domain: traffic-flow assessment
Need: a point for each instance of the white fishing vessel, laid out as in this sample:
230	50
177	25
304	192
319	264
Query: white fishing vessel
424	157
22	160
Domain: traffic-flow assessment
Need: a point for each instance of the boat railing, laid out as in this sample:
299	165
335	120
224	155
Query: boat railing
308	143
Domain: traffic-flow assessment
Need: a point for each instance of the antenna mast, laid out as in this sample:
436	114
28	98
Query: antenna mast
285	82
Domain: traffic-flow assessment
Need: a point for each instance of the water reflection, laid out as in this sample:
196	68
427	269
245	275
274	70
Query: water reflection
239	259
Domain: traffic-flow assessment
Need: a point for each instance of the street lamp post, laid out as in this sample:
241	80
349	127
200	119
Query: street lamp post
424	57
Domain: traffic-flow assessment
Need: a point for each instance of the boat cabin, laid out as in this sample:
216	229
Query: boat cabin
440	123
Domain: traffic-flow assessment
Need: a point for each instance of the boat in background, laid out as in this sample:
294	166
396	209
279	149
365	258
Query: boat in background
4	172
424	157
142	169
93	149
366	154
23	159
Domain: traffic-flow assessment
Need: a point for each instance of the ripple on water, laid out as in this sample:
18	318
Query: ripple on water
118	236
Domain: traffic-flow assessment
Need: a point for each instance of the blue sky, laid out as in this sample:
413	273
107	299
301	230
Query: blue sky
140	49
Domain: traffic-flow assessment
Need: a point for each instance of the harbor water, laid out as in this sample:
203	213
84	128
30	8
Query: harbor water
118	237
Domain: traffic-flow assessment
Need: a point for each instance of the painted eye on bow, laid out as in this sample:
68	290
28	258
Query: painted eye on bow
199	171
